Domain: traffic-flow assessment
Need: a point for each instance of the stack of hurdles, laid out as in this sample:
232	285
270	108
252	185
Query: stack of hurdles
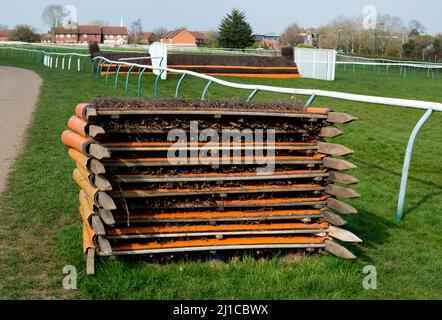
135	200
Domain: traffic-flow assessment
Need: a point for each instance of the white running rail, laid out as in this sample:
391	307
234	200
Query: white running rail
417	104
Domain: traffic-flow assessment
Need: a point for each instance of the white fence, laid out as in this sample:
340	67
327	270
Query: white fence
316	63
351	59
355	60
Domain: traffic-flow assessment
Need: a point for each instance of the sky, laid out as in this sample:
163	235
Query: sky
203	15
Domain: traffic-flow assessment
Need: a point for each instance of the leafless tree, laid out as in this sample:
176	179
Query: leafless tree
291	36
53	16
135	30
3	27
390	35
342	33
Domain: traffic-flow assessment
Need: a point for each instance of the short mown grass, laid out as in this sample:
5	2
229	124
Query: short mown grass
40	229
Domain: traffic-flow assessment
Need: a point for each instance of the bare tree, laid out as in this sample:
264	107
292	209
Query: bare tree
135	30
349	35
53	16
3	27
390	35
341	33
291	36
438	44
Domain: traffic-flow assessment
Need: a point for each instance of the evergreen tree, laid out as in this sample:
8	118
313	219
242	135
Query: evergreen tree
235	31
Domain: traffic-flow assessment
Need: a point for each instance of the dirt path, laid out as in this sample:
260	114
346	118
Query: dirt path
19	90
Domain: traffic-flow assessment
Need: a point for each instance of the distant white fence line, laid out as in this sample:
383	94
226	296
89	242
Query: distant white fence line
390	64
52	59
346	59
316	63
138	48
76	46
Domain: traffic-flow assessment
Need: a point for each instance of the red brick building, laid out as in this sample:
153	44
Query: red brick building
201	38
115	35
267	41
5	34
179	36
89	33
66	35
46	37
146	37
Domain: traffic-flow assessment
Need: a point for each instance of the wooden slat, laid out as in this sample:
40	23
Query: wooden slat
273	202
330	132
333	149
343	235
340	206
342	178
340	117
338	164
341	192
166	146
216	112
338	250
216	191
220	244
164	162
219	216
90	261
100	197
217	230
104	246
240	176
333	219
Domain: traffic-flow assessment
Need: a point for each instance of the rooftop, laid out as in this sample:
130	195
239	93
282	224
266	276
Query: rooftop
114	30
89	29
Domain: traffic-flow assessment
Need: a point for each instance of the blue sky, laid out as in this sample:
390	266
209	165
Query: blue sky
264	16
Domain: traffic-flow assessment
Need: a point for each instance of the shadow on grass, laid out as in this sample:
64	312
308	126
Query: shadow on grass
397	174
372	229
391	172
424	199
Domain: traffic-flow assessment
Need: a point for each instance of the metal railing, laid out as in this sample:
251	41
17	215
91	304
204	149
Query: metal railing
51	59
358	58
98	62
387	64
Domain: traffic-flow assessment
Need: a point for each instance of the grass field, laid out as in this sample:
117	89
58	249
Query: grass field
40	229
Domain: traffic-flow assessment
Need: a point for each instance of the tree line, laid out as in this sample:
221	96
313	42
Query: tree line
391	37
